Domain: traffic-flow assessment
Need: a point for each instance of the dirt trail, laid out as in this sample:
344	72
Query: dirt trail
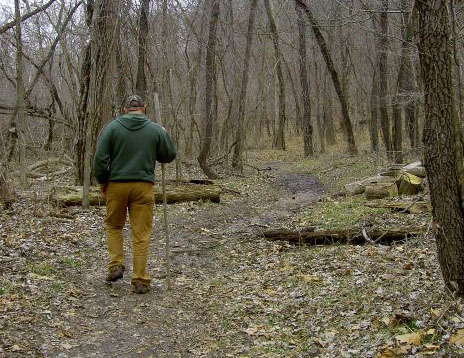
110	321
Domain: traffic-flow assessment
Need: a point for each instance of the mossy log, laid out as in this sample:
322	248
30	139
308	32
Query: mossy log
72	196
310	236
381	190
355	188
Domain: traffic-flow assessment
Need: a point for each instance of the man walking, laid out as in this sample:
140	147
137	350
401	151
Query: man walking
124	165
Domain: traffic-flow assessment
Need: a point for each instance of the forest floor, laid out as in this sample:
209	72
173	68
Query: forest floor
234	293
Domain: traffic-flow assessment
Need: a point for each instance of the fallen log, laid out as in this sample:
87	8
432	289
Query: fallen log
310	236
72	196
355	188
48	163
359	187
49	175
381	190
411	207
416	169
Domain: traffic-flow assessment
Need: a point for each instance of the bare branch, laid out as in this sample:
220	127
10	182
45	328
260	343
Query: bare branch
24	17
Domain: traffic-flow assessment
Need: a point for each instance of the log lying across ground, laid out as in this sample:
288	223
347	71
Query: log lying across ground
406	206
49	168
72	196
310	236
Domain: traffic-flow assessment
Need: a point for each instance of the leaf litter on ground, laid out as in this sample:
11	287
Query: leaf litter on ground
235	294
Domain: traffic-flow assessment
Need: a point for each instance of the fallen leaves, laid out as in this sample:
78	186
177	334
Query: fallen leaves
457	338
66	346
310	278
410	339
244	298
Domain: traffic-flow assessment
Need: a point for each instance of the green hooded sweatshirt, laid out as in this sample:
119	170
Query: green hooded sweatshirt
128	148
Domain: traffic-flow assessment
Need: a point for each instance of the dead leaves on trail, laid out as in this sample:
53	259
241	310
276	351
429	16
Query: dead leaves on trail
339	301
457	338
240	298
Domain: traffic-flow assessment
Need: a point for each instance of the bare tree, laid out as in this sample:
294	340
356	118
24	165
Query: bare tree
304	80
16	21
279	138
336	81
210	73
237	161
20	96
383	78
141	84
102	43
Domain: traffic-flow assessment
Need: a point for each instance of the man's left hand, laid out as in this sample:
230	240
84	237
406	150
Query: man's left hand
103	188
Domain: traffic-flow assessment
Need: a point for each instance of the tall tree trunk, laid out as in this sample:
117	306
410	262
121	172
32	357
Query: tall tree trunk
237	160
443	140
141	84
374	120
279	138
120	72
349	135
193	69
409	85
168	111
84	84
305	85
6	193
51	128
397	148
383	78
229	71
404	98
328	112
345	60
319	76
210	72
20	100
457	62
102	42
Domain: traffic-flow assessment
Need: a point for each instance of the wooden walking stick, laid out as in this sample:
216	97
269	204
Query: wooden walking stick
165	202
166	229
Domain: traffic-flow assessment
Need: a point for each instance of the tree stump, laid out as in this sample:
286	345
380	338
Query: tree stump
409	184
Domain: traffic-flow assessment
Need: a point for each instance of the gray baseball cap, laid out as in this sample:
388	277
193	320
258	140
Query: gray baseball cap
134	101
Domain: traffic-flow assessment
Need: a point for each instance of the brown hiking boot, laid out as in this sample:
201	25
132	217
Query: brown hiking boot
115	273
140	288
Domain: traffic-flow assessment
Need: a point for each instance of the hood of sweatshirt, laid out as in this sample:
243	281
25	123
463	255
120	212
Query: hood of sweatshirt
133	121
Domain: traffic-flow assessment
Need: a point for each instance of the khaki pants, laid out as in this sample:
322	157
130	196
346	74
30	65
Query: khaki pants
138	197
